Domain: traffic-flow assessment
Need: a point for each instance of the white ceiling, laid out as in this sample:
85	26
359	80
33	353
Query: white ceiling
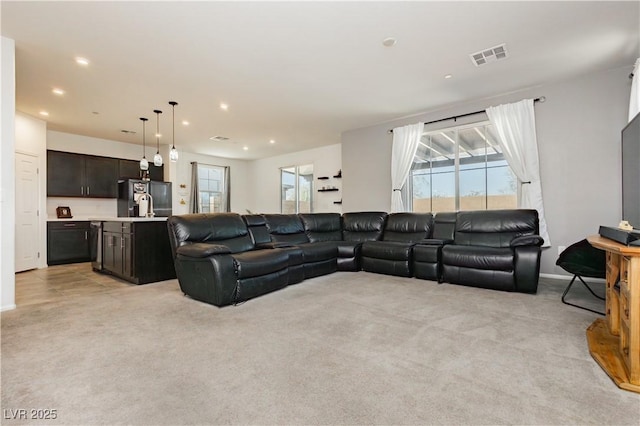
297	72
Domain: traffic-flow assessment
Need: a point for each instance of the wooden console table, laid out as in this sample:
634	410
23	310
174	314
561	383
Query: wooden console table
614	342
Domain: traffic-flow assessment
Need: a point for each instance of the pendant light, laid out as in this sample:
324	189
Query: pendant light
144	164
173	154
157	159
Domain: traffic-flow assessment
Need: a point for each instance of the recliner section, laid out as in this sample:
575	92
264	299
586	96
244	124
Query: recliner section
393	254
225	258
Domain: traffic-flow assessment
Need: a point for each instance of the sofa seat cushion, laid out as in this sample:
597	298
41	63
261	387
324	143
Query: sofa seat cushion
320	251
426	253
389	250
478	257
260	262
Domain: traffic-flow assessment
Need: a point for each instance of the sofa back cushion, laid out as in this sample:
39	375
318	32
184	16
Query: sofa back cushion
257	226
286	228
227	229
322	226
363	226
408	227
444	226
494	228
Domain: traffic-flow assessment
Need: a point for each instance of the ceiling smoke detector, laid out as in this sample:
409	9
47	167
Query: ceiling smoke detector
219	138
492	54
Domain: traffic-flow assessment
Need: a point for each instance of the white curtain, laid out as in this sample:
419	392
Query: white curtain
515	125
405	144
634	101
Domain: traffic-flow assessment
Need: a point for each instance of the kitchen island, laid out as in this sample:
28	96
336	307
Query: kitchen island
135	249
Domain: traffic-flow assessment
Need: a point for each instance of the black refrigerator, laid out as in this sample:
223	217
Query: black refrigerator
160	194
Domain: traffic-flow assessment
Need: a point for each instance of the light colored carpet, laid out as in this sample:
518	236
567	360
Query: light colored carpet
347	348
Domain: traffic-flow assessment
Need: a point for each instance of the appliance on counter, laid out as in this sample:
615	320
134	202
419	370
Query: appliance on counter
95	247
136	197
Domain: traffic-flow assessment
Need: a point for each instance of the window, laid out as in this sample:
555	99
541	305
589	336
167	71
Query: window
213	188
460	168
296	189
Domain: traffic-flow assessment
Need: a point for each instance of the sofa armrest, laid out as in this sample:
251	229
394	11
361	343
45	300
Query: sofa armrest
433	242
527	240
200	250
273	245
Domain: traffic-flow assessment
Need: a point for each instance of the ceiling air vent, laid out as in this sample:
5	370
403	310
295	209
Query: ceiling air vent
489	55
219	138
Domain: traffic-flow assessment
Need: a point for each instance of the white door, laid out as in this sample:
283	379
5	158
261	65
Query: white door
27	195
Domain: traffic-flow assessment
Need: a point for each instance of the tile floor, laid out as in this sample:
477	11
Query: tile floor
55	282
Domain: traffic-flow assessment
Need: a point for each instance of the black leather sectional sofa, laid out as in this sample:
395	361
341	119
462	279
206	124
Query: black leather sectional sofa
226	258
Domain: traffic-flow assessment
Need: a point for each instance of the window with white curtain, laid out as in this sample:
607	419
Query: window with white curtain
460	168
296	189
212	188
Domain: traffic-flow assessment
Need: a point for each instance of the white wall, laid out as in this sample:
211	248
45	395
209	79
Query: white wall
241	189
578	131
31	138
7	174
265	178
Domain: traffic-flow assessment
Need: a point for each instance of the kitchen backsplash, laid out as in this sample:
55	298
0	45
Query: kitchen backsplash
83	207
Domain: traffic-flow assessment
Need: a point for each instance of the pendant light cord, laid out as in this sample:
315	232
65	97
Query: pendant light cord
144	122
158	112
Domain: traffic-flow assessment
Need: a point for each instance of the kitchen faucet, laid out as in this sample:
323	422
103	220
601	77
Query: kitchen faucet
150	212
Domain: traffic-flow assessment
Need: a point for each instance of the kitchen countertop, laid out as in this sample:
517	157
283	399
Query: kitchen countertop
129	219
108	219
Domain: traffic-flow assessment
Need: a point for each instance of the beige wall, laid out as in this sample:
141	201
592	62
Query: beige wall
578	130
447	204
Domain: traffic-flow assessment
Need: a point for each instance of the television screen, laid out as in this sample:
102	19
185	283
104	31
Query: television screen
631	172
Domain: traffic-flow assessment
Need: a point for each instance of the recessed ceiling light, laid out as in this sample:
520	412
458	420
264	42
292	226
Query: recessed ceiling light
246	148
185	123
448	76
272	141
58	91
82	61
224	106
389	42
44	113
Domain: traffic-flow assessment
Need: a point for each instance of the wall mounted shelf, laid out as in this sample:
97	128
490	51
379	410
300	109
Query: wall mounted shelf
328	189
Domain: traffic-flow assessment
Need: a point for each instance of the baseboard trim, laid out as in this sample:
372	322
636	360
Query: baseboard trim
8	308
568	278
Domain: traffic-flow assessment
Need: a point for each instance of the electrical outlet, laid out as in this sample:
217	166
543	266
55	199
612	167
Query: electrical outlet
561	249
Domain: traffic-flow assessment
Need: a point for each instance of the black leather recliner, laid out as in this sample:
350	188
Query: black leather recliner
216	261
497	249
257	227
393	255
358	227
320	258
223	258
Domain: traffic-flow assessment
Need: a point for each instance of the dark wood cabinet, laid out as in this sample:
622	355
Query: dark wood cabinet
65	174
68	242
138	252
116	253
77	175
101	177
130	169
